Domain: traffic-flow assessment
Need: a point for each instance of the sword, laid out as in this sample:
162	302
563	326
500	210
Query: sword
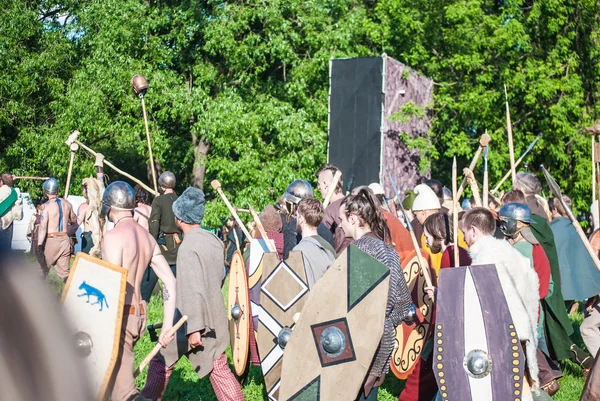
555	189
412	235
519	160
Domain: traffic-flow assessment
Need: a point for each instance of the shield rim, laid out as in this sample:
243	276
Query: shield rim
403	375
241	370
115	351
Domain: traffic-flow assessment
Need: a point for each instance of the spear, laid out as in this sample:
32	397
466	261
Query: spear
424	271
555	189
140	86
511	147
519	160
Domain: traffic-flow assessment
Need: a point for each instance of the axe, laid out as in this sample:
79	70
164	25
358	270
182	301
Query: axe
217	187
412	236
152	331
483	142
555	189
73	140
157	347
519	160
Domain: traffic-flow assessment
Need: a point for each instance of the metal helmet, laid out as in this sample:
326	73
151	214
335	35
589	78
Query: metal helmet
119	196
298	190
50	186
510	214
167	180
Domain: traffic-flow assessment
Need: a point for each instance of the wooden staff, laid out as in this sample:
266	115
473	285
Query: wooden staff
474	186
486	181
483	142
237	209
413	238
109	164
331	191
593	169
519	160
511	148
20	177
74	148
261	229
455	213
157	347
140	86
555	189
217	187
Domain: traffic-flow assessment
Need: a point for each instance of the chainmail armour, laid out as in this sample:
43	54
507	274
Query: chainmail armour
398	302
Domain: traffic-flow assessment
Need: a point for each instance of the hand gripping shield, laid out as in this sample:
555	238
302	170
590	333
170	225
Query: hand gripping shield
477	355
93	301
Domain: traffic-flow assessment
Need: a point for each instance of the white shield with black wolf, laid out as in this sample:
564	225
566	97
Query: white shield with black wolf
93	301
477	355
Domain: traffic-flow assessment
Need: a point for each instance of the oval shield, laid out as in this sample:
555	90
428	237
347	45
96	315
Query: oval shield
93	300
238	313
410	339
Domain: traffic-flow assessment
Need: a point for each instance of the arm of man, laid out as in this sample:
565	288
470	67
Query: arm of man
71	222
164	273
289	238
81	213
154	220
43	227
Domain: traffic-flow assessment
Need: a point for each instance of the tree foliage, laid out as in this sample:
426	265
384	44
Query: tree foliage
239	90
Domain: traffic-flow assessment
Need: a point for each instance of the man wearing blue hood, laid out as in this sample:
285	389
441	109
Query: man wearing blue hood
205	335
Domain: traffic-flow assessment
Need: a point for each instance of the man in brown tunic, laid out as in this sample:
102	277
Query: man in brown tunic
58	224
332	211
163	228
205	335
129	245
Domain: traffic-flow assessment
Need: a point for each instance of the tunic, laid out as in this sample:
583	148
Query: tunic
317	255
199	273
162	221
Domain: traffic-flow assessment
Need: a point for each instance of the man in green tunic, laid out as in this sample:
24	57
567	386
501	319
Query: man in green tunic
163	228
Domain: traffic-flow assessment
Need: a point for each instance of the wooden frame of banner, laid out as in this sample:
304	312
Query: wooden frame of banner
115	351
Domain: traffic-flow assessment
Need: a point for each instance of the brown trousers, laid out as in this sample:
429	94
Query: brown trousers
123	382
57	252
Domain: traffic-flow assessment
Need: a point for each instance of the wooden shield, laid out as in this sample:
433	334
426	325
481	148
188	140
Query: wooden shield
410	339
93	300
474	329
349	301
239	302
283	294
258	248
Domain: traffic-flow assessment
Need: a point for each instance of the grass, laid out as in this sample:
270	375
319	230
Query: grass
184	384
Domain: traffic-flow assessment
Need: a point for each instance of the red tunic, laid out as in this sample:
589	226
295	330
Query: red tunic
541	264
448	257
402	242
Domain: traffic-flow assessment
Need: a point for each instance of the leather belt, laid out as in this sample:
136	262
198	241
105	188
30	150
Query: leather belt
130	309
54	235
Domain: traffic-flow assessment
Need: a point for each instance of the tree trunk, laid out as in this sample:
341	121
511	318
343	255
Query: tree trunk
201	149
